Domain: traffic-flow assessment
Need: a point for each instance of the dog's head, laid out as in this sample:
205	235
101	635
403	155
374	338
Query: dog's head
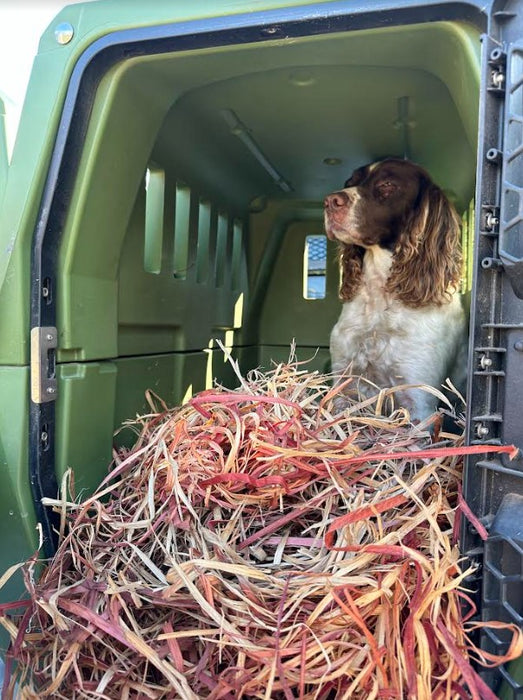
375	203
395	205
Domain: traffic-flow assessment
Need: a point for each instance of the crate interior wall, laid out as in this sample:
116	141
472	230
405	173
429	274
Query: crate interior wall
193	174
213	248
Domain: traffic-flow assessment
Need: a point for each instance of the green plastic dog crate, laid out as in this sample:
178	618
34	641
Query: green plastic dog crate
165	192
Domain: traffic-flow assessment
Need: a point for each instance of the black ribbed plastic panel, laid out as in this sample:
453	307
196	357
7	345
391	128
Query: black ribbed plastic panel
494	487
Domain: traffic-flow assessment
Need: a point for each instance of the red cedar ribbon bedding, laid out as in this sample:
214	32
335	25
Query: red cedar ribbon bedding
259	543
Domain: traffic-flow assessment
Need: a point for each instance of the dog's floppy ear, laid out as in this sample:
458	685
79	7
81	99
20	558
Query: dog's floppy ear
351	266
427	261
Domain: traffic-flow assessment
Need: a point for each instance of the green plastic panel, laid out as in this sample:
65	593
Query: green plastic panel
85	421
515	669
173	378
17	519
286	314
196	294
96	398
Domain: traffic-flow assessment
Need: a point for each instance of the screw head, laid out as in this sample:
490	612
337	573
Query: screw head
485	362
50	390
63	33
518	345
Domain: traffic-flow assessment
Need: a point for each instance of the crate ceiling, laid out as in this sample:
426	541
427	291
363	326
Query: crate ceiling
309	111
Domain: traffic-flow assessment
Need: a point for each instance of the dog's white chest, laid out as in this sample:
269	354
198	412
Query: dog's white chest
369	325
369	336
380	338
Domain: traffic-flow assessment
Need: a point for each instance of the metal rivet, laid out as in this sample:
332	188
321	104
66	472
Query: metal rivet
63	33
518	345
44	436
50	390
49	336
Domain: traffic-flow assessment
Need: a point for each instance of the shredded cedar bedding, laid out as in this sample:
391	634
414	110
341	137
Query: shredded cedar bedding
260	543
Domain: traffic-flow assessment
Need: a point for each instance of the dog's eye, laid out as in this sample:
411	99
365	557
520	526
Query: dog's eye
386	188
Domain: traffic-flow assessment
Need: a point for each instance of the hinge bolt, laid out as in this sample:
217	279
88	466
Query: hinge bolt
491	220
498	78
482	430
485	362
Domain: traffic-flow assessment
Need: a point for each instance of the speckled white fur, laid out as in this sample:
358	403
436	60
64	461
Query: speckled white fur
388	343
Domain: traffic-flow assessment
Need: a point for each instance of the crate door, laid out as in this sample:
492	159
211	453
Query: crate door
494	487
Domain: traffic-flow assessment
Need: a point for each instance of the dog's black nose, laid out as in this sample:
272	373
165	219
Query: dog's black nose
335	200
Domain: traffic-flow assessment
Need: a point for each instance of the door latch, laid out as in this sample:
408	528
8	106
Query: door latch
43	364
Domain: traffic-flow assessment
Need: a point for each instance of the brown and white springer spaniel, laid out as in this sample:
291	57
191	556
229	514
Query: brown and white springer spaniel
402	321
